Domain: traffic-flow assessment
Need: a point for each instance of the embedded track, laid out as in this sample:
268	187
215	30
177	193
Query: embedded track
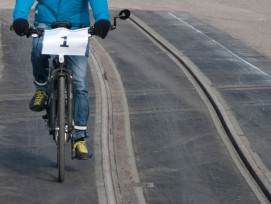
248	156
252	162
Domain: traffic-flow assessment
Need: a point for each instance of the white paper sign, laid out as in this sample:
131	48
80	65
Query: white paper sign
66	42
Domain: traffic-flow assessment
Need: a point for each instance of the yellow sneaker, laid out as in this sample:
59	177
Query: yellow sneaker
80	150
37	103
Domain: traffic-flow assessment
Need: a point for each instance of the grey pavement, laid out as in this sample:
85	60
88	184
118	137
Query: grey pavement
178	150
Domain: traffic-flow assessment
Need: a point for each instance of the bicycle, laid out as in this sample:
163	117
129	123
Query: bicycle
59	105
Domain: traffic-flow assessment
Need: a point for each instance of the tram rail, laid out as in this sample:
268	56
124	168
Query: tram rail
252	162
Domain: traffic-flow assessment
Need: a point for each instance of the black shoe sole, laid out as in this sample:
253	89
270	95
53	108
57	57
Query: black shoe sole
79	156
37	108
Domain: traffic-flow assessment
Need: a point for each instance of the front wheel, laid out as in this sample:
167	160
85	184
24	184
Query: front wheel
61	128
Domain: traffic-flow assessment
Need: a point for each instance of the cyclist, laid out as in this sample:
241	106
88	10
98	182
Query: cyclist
76	12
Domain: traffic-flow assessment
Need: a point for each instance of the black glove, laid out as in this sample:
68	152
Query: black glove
21	27
101	28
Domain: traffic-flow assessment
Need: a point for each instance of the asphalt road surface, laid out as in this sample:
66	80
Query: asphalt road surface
179	154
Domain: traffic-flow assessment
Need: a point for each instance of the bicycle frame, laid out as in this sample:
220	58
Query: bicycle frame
59	109
60	69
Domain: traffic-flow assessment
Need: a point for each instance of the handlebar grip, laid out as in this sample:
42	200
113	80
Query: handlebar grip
91	30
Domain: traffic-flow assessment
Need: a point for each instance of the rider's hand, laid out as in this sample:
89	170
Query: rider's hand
101	28
21	27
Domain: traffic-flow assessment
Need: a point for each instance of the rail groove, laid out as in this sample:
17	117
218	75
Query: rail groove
108	195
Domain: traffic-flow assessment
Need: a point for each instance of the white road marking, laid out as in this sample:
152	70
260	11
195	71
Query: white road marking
235	55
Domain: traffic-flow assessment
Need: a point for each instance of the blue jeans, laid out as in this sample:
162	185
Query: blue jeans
78	64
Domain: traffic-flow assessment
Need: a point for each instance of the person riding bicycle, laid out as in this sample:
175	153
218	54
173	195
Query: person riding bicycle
76	12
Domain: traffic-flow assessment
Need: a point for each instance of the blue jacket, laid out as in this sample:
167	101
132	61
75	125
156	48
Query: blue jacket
74	11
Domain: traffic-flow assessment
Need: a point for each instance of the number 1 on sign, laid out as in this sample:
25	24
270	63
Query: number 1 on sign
64	42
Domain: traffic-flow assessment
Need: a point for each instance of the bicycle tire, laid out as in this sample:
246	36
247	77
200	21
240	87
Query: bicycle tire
61	106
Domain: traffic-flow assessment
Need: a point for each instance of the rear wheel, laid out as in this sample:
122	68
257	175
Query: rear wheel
61	128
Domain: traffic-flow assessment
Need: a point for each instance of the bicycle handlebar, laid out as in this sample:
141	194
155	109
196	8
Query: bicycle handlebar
36	31
123	14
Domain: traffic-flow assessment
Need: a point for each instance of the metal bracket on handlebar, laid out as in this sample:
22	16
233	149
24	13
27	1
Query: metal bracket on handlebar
35	35
61	58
